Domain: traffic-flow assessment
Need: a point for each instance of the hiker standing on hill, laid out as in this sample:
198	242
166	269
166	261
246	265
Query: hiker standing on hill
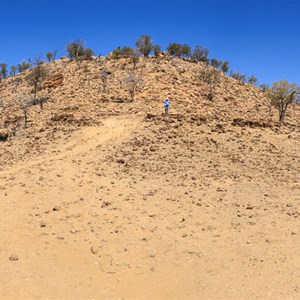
166	105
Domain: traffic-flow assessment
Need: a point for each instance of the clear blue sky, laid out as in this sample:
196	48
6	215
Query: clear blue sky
260	37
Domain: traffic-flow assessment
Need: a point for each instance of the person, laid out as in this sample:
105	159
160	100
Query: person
166	105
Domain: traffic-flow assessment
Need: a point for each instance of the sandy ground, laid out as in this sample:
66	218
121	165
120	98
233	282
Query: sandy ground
152	210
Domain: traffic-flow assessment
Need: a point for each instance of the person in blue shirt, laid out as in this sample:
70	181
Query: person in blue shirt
166	105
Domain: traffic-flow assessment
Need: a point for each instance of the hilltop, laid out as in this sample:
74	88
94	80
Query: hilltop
104	197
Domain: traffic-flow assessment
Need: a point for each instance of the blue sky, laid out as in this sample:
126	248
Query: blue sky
257	37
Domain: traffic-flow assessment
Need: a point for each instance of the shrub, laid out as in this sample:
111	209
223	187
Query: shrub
216	63
238	76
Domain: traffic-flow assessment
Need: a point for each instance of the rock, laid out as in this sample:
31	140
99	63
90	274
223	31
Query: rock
13	257
94	250
42	224
54	81
120	161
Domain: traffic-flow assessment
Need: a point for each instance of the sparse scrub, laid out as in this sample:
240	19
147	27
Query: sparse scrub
282	94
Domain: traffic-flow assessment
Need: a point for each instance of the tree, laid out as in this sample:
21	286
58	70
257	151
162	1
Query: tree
116	54
135	56
225	66
23	66
252	79
49	56
144	45
126	51
157	50
133	83
282	94
104	78
174	49
88	52
216	63
186	50
36	77
75	49
211	77
24	102
263	87
200	54
3	71
13	70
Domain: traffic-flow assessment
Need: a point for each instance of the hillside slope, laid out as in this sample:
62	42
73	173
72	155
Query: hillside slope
103	198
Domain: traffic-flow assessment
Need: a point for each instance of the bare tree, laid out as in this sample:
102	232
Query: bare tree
24	102
104	78
133	83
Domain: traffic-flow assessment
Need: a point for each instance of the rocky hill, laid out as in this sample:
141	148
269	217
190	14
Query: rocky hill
107	198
